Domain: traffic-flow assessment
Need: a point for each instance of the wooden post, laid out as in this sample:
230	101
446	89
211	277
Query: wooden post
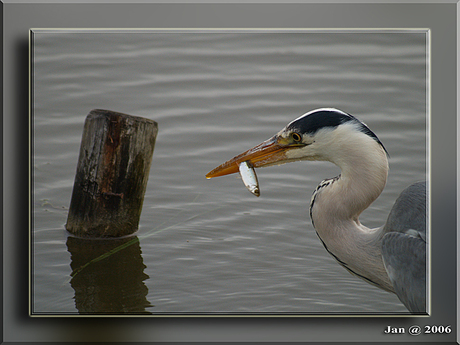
112	173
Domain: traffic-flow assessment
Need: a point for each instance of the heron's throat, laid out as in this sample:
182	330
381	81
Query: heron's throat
335	208
345	197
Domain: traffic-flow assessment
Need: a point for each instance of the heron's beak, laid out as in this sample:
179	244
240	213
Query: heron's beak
266	153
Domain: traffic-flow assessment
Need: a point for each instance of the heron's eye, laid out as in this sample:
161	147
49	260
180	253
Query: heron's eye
296	137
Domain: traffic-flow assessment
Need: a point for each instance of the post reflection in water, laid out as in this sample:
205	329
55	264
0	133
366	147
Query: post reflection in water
108	276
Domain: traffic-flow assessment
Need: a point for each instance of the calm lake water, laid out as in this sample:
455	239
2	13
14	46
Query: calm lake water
209	246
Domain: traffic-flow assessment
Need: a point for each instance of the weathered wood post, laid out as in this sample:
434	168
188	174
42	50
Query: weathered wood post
112	173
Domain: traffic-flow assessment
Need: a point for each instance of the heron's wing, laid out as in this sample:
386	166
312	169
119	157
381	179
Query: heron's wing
404	257
404	247
409	211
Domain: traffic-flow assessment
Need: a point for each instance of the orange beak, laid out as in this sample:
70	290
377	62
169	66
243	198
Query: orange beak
266	153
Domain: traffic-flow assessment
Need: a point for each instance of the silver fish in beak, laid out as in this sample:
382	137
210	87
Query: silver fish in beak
249	177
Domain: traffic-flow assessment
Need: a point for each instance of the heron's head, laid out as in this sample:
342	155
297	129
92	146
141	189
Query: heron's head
324	134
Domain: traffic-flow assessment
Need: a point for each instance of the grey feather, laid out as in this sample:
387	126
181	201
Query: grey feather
409	211
405	261
404	247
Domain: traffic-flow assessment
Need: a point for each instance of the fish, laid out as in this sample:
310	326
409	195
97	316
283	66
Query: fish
249	177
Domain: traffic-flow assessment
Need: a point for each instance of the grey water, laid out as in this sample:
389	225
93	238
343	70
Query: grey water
210	246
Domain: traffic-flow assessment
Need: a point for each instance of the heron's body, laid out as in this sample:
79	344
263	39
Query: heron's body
391	257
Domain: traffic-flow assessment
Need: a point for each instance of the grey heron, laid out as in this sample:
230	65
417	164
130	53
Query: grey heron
391	257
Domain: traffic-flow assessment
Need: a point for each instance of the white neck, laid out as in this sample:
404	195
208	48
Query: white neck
337	204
